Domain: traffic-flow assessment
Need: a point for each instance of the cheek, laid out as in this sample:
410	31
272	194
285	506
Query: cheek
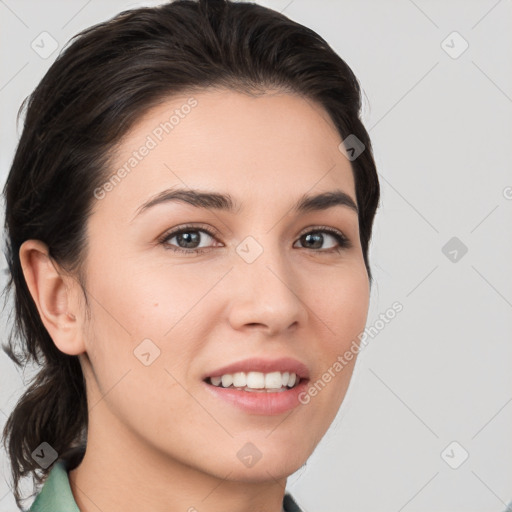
340	308
349	311
139	308
338	300
146	300
138	338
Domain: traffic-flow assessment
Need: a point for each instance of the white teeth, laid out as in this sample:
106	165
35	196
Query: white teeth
227	380
256	380
239	380
216	381
274	380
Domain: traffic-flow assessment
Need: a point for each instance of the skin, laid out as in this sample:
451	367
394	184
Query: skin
155	436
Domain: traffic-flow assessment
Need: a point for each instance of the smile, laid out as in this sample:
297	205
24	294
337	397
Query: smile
256	381
259	385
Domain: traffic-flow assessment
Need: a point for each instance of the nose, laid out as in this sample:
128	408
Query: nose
266	294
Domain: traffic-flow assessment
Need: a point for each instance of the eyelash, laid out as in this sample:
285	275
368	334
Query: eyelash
343	241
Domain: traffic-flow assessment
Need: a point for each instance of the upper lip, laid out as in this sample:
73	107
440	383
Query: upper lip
284	364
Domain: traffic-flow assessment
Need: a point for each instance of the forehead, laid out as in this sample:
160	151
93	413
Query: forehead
277	145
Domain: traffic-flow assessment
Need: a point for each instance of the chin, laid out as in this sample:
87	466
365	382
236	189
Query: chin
263	471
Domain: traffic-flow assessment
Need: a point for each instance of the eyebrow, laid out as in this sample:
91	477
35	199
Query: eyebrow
216	201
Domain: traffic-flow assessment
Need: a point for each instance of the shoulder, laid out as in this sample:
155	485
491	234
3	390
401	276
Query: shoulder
55	495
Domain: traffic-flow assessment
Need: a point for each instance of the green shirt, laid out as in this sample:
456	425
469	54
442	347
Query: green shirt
56	495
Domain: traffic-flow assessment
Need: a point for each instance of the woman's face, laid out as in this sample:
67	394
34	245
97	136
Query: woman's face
250	276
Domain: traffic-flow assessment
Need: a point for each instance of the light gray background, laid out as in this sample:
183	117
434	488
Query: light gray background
442	132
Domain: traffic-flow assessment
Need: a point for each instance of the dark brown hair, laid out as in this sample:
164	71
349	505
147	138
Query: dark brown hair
105	79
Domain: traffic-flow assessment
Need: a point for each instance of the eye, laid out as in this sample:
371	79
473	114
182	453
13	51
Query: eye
316	238
188	239
197	240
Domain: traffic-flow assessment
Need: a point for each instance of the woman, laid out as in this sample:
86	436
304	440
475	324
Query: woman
188	216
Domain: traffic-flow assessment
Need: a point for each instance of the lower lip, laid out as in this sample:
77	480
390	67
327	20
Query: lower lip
265	403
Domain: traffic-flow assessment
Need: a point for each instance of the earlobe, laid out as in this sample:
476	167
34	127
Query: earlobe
53	293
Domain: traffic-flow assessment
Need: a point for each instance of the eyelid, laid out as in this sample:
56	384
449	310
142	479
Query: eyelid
192	227
315	228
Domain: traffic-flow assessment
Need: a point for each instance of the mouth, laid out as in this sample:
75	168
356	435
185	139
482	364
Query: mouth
256	382
260	386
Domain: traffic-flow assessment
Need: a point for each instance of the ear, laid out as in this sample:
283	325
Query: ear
55	295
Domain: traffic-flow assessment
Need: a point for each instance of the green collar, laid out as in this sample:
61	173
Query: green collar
56	495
